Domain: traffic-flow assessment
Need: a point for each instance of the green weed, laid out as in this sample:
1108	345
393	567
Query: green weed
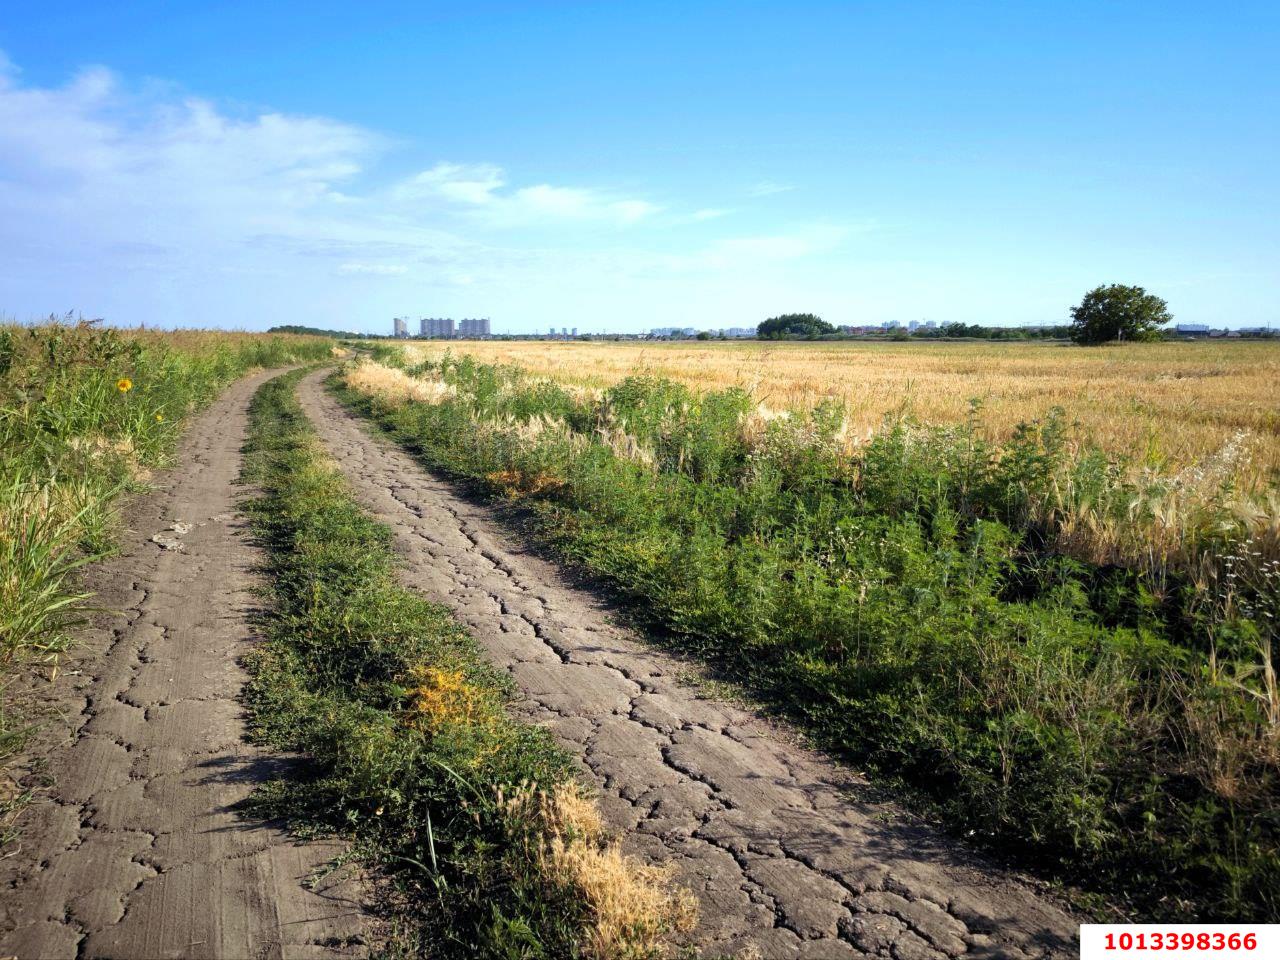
918	603
85	414
476	817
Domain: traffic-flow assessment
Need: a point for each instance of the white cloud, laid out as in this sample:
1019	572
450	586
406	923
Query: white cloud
474	184
554	201
146	206
766	188
632	211
375	269
476	191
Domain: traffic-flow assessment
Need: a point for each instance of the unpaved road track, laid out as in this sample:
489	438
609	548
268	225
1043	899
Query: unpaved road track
137	850
786	857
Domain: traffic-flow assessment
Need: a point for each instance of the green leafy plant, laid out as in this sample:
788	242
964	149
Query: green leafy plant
926	603
493	848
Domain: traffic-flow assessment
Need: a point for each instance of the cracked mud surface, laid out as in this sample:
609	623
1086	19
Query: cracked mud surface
137	850
786	854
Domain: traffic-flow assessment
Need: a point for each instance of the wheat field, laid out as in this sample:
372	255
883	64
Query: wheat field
1164	406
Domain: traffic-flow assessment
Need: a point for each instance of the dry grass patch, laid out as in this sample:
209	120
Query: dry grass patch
631	906
395	387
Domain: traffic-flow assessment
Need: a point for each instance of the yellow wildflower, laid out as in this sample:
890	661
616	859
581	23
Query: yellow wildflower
124	384
159	418
442	696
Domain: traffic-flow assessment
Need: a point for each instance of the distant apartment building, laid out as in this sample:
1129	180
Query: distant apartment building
401	326
436	327
446	328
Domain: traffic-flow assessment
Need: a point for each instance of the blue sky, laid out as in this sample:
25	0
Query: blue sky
622	166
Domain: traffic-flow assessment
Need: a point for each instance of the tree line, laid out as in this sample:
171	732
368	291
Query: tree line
1111	313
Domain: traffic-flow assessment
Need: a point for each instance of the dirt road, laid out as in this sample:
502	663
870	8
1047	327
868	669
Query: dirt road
785	852
137	849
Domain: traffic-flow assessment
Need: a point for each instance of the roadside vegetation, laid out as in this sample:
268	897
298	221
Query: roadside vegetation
86	413
1157	408
1071	658
491	847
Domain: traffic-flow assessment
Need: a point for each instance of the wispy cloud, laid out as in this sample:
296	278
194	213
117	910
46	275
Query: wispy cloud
374	269
477	190
459	183
767	188
151	206
768	249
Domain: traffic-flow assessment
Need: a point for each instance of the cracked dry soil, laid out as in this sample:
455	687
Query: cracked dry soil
137	849
787	855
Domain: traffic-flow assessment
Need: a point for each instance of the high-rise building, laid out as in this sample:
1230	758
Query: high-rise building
474	327
574	332
439	327
401	326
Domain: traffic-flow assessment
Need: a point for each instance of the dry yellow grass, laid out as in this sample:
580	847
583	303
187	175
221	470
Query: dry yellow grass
632	907
1167	406
394	387
632	904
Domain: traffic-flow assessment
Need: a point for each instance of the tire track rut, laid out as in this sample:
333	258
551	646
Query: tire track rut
787	856
137	849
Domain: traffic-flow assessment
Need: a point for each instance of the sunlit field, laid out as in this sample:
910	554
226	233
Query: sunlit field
1072	654
1166	406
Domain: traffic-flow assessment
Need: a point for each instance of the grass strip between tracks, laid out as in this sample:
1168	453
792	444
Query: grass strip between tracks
491	847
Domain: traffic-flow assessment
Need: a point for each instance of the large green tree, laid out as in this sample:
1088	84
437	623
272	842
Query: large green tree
1116	312
794	325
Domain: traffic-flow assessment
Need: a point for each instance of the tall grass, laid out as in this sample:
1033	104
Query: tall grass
926	602
1162	407
87	413
494	849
